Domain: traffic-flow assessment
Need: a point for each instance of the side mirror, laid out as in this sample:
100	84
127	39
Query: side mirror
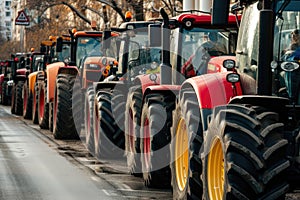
154	34
220	11
22	63
106	39
59	44
229	64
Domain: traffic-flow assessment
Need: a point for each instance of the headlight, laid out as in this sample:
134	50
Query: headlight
289	66
229	64
233	77
153	77
10	83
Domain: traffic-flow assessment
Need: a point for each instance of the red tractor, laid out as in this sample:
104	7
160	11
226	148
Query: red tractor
245	122
20	70
150	108
108	110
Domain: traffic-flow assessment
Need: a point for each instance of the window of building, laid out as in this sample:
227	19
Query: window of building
8	24
7	14
7	3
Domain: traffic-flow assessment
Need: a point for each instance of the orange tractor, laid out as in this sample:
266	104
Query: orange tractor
39	62
65	112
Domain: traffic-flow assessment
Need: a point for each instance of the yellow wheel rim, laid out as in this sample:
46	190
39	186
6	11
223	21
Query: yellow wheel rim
182	155
215	171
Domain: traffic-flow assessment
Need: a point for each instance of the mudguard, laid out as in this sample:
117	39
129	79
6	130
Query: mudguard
52	71
212	90
145	81
162	88
111	85
31	81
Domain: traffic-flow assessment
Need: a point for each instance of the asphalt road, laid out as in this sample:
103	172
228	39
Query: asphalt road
35	166
31	169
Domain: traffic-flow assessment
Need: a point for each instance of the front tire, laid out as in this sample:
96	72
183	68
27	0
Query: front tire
244	154
43	107
63	121
109	138
19	98
132	130
187	139
155	139
27	102
89	109
35	118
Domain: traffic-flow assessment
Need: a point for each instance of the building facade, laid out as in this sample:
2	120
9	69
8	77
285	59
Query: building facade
6	19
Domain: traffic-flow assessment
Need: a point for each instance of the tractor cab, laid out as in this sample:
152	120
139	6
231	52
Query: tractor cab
195	42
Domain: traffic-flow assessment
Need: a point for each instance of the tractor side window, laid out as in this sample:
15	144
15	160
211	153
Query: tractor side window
247	45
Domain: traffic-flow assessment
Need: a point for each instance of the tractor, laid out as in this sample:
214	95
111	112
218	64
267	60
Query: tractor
36	78
107	114
150	108
20	70
245	121
5	90
65	112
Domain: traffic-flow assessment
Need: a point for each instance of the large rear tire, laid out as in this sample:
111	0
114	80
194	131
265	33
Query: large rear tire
43	107
78	105
109	138
245	154
35	118
51	116
19	98
187	139
155	133
13	100
27	102
63	121
132	130
4	98
88	115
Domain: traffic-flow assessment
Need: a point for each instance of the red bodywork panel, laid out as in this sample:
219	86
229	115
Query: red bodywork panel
212	89
145	82
215	64
21	72
1	81
202	18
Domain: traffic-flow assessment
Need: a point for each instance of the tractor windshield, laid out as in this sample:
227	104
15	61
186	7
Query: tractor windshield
37	61
286	31
88	46
199	45
141	58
